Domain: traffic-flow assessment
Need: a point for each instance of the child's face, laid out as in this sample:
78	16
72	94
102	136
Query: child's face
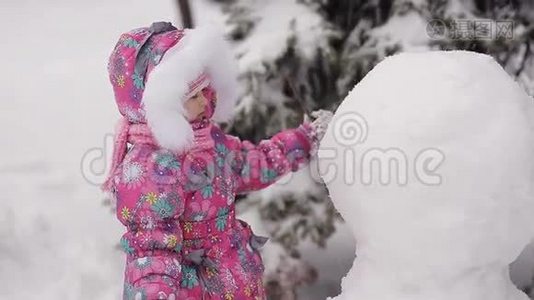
195	106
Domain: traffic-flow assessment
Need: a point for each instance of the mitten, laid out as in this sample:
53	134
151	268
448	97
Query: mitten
319	125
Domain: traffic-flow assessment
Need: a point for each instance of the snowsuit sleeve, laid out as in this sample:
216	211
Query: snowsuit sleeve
258	166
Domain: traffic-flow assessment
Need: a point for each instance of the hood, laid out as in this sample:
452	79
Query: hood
153	70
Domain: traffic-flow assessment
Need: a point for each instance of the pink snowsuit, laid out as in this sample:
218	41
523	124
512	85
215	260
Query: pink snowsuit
182	239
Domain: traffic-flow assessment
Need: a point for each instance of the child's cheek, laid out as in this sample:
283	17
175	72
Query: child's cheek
209	102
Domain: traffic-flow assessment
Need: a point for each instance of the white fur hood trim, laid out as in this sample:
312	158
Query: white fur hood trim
201	49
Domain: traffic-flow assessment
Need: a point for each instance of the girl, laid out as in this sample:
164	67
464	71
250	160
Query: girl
175	186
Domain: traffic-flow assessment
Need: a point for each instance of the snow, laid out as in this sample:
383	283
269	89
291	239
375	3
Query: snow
458	9
522	270
448	227
334	260
406	30
277	25
333	263
57	239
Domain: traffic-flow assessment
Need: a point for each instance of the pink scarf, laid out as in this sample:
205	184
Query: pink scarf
141	134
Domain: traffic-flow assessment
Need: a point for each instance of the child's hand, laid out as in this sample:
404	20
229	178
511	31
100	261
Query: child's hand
319	125
321	121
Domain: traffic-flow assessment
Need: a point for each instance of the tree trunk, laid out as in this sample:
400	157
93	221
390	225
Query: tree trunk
185	12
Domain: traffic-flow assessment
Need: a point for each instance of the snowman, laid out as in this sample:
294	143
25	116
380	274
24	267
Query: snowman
429	161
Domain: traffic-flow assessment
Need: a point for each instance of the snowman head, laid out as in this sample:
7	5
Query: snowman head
455	133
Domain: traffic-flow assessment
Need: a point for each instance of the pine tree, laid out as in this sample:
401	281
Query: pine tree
300	55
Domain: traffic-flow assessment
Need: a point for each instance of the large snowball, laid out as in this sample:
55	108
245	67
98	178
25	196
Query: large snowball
429	160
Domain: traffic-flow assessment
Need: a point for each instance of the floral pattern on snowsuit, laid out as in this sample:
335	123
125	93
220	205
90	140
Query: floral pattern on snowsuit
177	205
182	238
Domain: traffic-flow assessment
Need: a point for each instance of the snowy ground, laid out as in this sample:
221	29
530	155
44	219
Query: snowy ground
56	238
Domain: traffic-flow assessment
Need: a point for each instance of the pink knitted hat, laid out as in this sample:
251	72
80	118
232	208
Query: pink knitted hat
154	69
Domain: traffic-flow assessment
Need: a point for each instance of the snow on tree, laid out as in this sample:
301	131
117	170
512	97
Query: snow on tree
285	71
457	207
299	55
